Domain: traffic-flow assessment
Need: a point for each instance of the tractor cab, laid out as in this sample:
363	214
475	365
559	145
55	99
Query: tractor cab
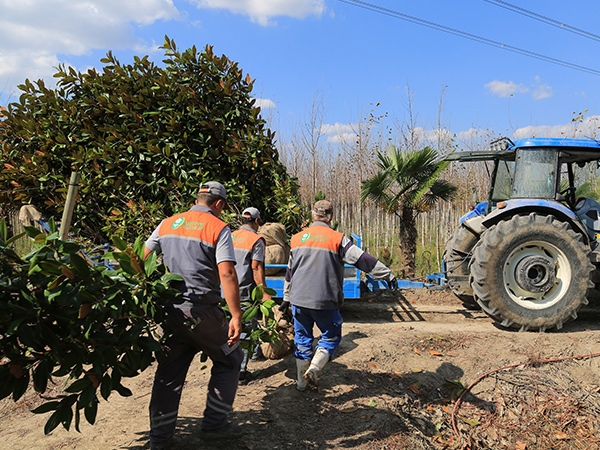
530	173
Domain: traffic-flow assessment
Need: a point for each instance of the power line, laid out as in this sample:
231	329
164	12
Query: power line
463	34
541	18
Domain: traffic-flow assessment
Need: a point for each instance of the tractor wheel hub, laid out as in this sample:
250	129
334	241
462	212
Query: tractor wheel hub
535	274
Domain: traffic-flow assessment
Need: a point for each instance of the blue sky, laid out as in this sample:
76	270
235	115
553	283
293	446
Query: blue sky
349	56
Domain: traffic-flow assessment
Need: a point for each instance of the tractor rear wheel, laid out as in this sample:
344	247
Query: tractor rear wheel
531	272
457	257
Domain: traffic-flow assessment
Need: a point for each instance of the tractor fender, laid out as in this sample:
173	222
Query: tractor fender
525	206
474	218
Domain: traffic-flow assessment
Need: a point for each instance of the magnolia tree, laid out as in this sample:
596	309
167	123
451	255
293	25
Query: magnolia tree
143	138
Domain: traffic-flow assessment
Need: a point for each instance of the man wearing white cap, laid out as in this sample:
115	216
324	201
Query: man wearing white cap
249	249
197	246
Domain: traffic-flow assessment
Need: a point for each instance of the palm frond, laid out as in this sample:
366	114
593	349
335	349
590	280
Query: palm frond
584	190
387	160
374	187
405	178
435	169
440	190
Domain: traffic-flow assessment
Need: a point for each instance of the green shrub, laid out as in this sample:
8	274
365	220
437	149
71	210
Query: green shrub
62	317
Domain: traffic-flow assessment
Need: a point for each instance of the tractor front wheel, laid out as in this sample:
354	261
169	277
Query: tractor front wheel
531	272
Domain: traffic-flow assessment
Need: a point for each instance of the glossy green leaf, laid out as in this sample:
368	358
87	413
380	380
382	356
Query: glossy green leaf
91	410
41	375
106	387
257	293
264	310
65	415
119	243
150	264
250	313
52	422
272	292
20	386
82	268
46	407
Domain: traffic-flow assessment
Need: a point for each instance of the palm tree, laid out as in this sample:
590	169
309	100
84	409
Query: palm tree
407	184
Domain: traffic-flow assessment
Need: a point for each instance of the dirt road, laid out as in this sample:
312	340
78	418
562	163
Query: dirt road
403	362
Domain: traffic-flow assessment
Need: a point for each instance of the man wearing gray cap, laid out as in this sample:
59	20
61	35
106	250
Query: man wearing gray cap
197	246
314	287
249	250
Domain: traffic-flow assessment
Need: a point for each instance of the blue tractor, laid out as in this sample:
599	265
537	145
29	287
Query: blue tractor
528	256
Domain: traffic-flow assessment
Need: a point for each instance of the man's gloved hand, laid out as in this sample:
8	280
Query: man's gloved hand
392	283
284	307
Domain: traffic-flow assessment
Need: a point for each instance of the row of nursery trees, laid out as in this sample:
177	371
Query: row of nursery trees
143	137
345	170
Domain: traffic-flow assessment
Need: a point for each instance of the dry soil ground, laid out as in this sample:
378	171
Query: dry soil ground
404	360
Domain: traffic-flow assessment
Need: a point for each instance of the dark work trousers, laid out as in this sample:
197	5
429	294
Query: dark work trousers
209	334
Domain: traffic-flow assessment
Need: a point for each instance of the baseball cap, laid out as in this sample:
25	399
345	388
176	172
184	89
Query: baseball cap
215	188
323	207
252	212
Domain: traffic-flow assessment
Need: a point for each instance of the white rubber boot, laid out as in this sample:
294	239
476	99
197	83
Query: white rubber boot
318	362
301	365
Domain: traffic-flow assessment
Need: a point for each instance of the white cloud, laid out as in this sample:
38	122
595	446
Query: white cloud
476	135
262	11
339	132
67	27
265	103
38	35
538	90
36	64
505	89
345	138
35	32
337	128
541	91
589	127
434	135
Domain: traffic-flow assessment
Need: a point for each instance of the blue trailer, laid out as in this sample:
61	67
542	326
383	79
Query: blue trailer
354	286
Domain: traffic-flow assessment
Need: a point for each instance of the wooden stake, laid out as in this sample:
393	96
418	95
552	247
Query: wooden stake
65	223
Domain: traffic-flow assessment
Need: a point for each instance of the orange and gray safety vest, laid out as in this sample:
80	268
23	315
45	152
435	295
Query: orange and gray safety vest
244	240
315	273
188	243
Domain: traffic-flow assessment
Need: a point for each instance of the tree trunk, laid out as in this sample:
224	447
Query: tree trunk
408	241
